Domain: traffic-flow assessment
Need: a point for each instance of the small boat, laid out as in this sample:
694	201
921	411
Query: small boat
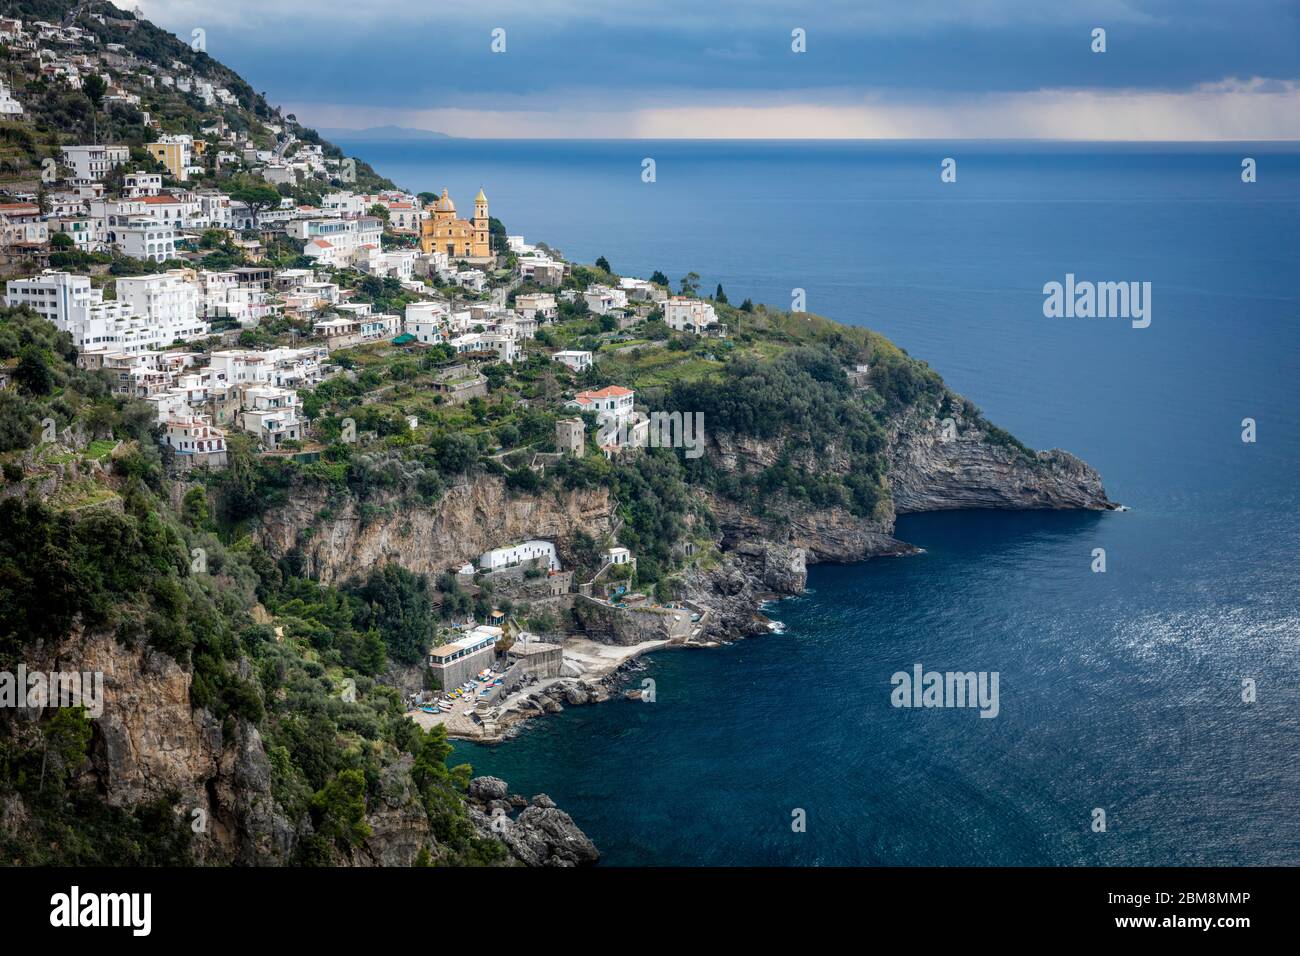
430	710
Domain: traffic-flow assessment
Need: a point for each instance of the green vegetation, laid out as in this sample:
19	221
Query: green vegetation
127	573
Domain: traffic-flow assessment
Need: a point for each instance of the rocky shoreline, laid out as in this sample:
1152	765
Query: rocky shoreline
766	558
535	831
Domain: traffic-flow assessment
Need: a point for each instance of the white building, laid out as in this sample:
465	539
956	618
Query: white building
642	290
427	321
271	414
472	279
193	435
538	305
602	299
516	554
22	224
92	163
166	301
99	325
52	295
541	269
576	359
333	241
398	263
135	185
8	105
689	315
616	419
612	402
82	229
141	237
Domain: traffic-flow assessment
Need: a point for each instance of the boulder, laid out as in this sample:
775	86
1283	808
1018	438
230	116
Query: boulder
487	789
576	694
547	836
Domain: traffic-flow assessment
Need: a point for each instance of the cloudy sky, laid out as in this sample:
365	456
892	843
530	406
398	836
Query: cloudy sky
1173	69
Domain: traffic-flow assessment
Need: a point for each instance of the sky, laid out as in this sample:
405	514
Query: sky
905	69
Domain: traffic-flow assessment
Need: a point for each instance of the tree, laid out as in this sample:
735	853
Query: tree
256	198
603	263
497	238
61	240
396	604
690	283
720	296
340	809
94	87
66	737
194	508
658	278
33	373
380	211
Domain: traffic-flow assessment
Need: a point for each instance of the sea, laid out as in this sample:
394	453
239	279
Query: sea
1148	713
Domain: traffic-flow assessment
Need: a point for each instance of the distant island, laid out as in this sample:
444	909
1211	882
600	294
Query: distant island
381	132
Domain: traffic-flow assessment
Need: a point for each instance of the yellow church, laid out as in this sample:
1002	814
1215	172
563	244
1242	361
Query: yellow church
458	238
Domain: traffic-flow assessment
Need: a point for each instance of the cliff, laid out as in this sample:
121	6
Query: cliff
764	552
150	744
472	517
928	472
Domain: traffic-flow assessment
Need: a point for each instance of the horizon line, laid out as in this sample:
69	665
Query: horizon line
438	136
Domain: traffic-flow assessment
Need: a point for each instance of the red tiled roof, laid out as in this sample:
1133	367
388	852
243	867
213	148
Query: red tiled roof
609	391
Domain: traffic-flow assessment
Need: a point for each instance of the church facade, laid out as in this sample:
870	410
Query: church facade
458	238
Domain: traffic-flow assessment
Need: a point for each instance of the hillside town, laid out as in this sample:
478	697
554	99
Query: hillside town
224	270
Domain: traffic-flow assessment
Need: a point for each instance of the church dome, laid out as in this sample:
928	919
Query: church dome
445	204
480	197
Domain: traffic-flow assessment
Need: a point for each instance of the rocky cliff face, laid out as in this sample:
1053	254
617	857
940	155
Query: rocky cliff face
930	468
926	472
931	472
150	744
933	466
471	518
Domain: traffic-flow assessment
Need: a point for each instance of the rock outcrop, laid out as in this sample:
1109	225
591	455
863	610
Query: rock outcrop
399	827
472	517
541	835
151	744
928	472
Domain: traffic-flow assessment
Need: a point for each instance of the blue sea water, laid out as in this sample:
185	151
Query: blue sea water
1120	691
